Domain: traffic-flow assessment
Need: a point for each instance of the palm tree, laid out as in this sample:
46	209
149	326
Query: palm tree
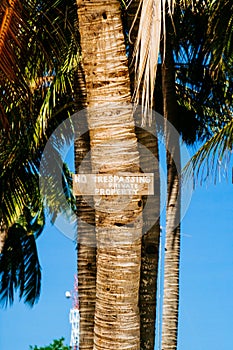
208	88
27	99
47	90
118	235
86	239
172	244
214	155
151	213
201	99
98	76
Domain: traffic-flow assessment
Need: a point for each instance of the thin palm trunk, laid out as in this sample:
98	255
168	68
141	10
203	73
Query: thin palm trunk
172	243
150	242
113	150
151	223
86	240
86	248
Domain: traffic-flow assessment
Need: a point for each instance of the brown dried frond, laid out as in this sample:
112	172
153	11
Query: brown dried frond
146	52
10	26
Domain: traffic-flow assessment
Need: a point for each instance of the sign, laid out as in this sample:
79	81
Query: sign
120	184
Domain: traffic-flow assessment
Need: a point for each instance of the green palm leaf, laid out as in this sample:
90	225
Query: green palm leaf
213	158
220	34
38	50
19	264
46	41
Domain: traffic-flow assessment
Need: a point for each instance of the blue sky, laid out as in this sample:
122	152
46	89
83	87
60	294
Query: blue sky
206	307
206	303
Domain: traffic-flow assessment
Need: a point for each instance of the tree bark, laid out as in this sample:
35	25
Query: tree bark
172	242
86	240
86	266
150	242
151	234
113	151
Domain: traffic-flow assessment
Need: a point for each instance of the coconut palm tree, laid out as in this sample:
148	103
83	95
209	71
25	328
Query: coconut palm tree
38	85
151	214
46	94
172	254
150	238
92	95
172	111
113	144
27	100
86	239
172	244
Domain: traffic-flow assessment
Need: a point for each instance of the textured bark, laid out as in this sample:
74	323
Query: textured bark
86	252
86	240
113	150
151	234
150	242
172	244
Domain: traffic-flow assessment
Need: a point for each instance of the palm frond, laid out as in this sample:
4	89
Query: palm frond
44	39
18	177
11	11
55	177
146	53
19	264
213	157
42	49
152	30
60	86
13	39
220	32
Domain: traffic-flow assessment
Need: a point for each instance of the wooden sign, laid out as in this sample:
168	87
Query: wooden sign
125	184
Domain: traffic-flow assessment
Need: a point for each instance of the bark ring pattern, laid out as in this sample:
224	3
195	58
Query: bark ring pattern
62	140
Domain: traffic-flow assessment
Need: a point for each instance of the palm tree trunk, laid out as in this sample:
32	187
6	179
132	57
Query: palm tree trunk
86	248
151	233
113	150
150	242
86	240
172	243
